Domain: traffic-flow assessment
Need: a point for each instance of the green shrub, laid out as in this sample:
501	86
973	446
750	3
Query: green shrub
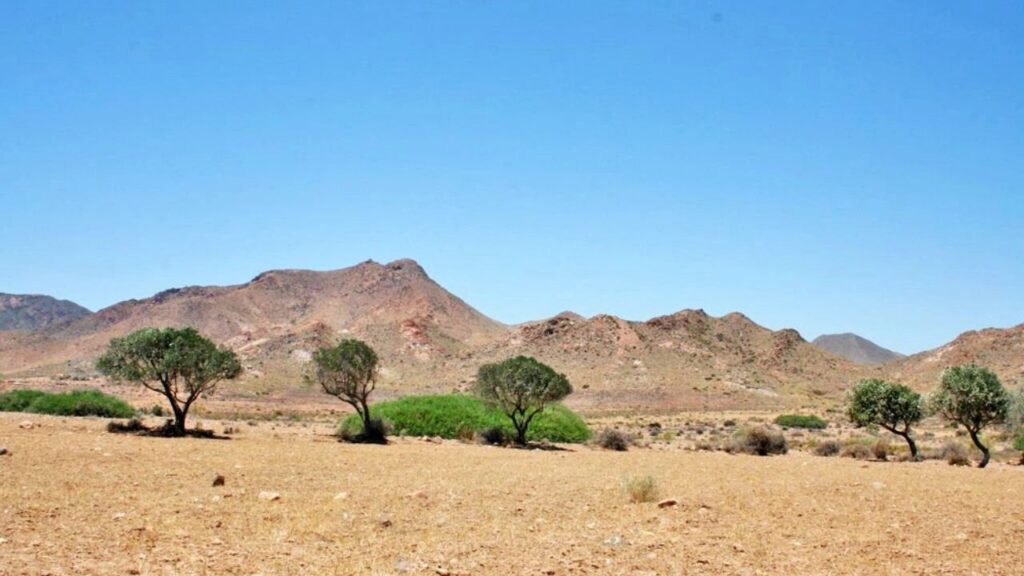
19	400
1018	443
76	403
800	421
450	415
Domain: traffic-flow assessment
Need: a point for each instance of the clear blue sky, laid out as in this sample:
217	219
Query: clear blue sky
827	166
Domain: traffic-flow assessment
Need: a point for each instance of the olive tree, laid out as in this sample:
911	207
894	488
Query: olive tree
891	406
973	397
521	387
348	371
178	363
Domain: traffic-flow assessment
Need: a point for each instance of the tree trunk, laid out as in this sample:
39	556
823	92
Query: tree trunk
179	419
911	444
984	449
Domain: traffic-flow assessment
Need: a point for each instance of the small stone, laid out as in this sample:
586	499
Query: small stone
613	541
418	494
120	516
218	480
341	496
268	496
668	503
385	523
26	425
4	451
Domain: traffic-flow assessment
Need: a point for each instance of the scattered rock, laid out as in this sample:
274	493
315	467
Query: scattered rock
418	494
120	516
341	496
218	480
27	425
613	541
385	523
668	503
268	496
4	450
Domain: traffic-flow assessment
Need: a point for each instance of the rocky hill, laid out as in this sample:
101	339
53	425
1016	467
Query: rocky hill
1000	349
855	349
429	339
33	312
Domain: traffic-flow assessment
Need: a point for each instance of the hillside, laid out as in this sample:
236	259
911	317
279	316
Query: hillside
1000	349
686	360
855	348
429	339
34	312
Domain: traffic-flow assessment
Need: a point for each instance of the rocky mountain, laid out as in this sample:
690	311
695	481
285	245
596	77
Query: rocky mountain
33	312
1001	349
276	318
429	339
855	349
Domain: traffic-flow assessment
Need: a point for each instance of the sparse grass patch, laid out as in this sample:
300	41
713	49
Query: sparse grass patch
800	421
641	489
75	403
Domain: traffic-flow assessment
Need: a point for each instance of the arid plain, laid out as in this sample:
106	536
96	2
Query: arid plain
79	500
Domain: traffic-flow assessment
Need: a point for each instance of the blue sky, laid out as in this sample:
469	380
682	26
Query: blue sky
827	166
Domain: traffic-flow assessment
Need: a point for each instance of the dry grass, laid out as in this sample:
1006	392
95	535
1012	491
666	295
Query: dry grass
77	500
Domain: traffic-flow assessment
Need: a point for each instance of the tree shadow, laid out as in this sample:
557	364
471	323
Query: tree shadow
137	428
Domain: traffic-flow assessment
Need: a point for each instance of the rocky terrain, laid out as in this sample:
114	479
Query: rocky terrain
34	312
1002	350
855	348
430	340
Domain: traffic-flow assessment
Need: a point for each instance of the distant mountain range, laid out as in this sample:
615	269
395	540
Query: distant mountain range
431	340
855	349
33	312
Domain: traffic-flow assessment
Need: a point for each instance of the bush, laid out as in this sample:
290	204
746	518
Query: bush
759	441
19	400
880	450
800	421
76	403
611	439
827	448
856	451
641	489
449	415
1018	443
493	436
955	454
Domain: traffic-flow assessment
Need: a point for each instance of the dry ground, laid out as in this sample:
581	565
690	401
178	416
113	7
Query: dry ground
77	500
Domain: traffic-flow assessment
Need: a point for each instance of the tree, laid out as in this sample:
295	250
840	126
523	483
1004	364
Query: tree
177	362
891	406
973	397
348	371
521	387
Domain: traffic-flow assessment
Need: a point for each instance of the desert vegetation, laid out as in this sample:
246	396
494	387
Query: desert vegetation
74	403
180	364
460	416
893	407
348	371
521	388
973	397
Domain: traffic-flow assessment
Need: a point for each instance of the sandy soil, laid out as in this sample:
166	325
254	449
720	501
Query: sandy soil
77	500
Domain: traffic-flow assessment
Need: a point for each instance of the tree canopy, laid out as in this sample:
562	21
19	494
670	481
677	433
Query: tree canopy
973	397
178	363
348	371
521	387
894	407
